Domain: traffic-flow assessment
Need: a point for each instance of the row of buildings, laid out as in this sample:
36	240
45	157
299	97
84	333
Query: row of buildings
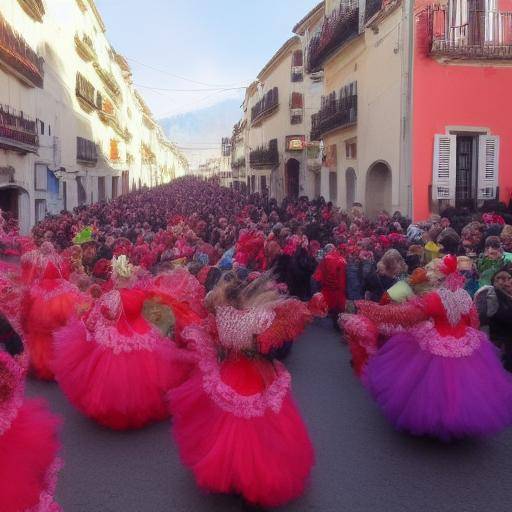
73	129
395	104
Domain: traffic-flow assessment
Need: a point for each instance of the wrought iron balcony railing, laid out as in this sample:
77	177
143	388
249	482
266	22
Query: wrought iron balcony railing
18	57
108	79
372	8
238	163
34	8
266	106
85	47
147	156
484	35
86	151
337	111
265	156
85	93
17	133
338	28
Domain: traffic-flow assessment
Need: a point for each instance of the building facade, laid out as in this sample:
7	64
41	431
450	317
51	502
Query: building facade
73	129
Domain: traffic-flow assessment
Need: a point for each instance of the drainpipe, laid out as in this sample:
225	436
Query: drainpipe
405	188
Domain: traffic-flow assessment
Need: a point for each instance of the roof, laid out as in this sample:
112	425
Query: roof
280	53
299	28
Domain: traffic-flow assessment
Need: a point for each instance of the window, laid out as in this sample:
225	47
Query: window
41	127
297	58
296	108
263	183
40	205
82	195
41	177
351	150
297	100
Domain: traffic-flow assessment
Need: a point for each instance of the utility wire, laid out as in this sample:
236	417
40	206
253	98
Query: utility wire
178	76
219	89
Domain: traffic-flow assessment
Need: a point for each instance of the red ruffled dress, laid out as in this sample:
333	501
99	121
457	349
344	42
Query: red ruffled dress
234	420
116	367
50	301
28	446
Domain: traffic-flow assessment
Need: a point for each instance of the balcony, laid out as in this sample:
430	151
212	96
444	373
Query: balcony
147	156
17	133
265	107
485	35
264	157
108	115
337	29
238	167
19	58
337	111
108	79
85	48
86	151
81	5
34	8
85	93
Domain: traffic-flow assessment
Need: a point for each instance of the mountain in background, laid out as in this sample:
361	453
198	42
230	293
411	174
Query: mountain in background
203	129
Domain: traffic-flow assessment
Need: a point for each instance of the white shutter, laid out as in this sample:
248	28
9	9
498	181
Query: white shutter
488	162
443	175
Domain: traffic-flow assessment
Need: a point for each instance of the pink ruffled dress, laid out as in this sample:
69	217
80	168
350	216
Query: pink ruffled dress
115	366
28	446
234	420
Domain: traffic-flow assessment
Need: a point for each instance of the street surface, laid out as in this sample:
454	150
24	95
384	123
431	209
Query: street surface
362	465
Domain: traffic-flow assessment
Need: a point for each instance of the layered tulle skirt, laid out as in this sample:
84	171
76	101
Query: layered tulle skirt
48	308
121	387
441	387
240	432
28	460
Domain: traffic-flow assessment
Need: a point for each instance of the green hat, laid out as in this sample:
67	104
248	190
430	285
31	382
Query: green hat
84	236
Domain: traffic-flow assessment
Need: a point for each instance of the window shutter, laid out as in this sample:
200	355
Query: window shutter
488	161
444	169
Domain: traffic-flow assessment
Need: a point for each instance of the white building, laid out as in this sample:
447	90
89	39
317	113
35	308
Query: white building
73	129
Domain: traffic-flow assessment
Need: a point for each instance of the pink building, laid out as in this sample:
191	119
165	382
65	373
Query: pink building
461	115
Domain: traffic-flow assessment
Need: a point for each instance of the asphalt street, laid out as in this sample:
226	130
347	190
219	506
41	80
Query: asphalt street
362	464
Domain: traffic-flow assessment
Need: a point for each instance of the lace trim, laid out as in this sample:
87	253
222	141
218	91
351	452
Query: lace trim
46	498
237	327
456	303
62	288
109	336
447	346
13	379
244	406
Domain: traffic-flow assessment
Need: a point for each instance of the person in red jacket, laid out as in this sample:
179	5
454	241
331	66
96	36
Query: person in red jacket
331	274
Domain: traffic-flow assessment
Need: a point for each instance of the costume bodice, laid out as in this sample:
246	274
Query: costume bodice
237	327
450	311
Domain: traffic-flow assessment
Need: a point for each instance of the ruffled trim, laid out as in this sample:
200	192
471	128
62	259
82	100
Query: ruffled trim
244	406
109	336
9	409
447	346
62	288
46	498
224	395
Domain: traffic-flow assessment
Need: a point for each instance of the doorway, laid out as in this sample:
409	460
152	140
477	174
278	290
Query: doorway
351	179
465	173
378	189
292	178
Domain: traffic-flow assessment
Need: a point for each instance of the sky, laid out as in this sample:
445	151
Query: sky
212	47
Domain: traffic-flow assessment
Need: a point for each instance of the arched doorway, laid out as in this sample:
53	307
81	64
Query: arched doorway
292	178
14	201
378	189
350	181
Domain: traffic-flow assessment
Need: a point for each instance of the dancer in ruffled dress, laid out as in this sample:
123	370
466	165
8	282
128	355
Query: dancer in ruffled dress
235	421
28	436
442	377
49	302
114	364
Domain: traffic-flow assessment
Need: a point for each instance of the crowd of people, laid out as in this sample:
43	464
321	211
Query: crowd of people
182	301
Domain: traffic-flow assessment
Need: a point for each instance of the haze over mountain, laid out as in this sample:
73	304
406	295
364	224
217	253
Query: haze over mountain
199	133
